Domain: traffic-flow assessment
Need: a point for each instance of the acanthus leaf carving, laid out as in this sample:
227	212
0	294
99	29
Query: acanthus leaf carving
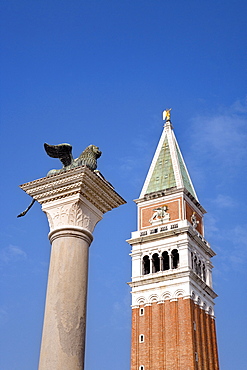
50	220
68	215
75	215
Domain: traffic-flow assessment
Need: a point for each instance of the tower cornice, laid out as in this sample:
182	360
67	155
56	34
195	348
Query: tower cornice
170	191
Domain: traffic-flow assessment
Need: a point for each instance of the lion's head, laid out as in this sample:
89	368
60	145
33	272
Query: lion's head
89	157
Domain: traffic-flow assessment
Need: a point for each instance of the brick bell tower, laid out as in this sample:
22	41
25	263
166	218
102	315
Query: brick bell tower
173	324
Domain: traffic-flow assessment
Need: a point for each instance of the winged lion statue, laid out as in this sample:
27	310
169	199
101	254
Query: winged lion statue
64	152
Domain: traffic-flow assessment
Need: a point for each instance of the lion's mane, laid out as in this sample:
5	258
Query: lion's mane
89	157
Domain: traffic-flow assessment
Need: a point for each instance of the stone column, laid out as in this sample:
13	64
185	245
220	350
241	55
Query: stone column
74	201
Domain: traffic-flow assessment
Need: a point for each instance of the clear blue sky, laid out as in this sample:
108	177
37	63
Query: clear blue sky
101	72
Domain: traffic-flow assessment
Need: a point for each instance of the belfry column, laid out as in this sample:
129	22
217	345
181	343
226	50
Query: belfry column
74	201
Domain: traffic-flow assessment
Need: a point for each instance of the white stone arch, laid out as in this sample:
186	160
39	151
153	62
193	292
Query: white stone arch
141	300
193	295
179	293
210	311
165	296
153	298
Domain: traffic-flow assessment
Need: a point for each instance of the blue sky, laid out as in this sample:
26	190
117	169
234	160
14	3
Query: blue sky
101	72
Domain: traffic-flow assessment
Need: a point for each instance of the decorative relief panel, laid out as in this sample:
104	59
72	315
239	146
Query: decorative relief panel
161	214
194	218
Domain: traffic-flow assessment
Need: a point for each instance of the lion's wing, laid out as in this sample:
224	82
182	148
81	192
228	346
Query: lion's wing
61	151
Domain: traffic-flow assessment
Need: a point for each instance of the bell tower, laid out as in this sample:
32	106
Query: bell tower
173	324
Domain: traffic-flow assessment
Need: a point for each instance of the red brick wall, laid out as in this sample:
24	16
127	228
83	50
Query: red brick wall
173	333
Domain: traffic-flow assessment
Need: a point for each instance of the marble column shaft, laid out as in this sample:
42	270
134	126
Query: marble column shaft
74	201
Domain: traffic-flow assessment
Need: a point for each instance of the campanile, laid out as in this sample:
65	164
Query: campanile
173	324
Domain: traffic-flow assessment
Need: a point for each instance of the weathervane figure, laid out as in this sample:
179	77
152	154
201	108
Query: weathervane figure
167	115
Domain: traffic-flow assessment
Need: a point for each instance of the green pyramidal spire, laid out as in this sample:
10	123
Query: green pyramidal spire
168	169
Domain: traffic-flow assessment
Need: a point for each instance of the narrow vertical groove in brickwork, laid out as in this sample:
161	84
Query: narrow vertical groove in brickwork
212	341
185	338
215	349
200	355
161	344
149	330
177	334
151	338
199	341
171	337
193	320
211	320
165	333
204	340
154	337
159	337
200	313
167	337
137	338
209	341
191	307
181	317
134	340
193	333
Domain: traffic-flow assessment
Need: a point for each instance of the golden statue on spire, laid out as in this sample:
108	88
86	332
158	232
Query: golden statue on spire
167	114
